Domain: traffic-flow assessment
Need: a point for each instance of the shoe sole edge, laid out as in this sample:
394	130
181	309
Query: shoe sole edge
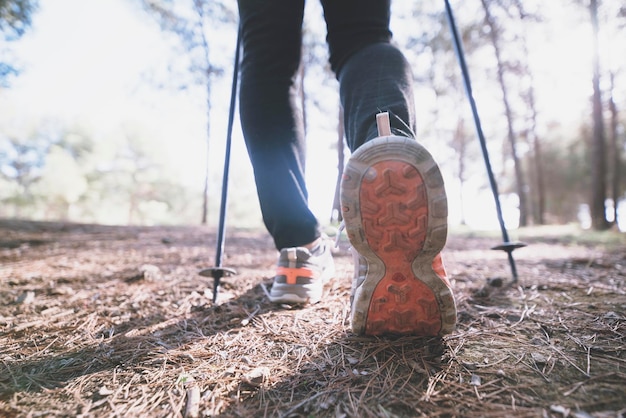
407	151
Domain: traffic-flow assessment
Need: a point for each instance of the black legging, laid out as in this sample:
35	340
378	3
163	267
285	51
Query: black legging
373	76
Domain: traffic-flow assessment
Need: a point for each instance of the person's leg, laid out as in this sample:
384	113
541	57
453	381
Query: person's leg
392	193
272	121
374	75
274	134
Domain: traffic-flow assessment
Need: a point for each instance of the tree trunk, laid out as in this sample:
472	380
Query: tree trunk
207	163
540	181
537	175
598	146
460	141
517	164
208	73
616	152
205	189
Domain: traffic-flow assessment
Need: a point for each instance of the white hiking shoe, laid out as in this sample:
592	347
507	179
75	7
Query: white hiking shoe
302	273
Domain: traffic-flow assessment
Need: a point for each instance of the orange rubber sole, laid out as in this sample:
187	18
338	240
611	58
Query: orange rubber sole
395	211
401	302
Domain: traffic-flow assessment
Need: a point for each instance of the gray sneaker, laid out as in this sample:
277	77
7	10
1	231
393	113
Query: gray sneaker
301	274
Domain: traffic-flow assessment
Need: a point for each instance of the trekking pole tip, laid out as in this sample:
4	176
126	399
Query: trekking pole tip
508	248
217	273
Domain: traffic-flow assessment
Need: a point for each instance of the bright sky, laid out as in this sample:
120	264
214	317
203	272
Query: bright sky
80	54
88	63
85	61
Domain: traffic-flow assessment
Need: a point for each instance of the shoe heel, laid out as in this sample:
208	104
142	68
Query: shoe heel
395	212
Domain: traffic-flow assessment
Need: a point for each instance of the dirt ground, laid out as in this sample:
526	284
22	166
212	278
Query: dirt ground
103	321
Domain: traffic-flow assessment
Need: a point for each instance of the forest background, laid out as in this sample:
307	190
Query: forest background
115	111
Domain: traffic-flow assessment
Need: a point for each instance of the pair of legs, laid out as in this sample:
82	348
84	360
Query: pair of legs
392	192
373	76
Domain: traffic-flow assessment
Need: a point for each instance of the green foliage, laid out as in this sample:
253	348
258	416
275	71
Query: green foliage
61	183
21	162
15	19
122	176
64	173
566	171
196	25
15	16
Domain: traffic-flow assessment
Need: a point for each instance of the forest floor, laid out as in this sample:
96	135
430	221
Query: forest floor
111	321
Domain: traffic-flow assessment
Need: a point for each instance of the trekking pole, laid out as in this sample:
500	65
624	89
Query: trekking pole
506	246
218	271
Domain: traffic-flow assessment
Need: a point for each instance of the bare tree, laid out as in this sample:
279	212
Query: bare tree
536	175
616	161
461	142
598	145
191	21
494	35
615	21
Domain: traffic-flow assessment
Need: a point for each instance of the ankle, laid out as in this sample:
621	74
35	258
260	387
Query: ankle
313	244
316	247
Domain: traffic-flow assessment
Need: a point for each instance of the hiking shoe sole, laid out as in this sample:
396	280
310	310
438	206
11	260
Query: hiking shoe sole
395	211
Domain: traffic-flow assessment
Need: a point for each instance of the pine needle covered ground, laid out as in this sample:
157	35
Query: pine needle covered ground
100	321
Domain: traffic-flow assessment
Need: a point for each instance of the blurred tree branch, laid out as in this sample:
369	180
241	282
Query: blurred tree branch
15	19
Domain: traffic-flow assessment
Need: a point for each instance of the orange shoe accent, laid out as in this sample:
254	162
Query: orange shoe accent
440	269
401	302
292	274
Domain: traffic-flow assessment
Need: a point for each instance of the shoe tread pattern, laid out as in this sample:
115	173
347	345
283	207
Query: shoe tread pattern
396	216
